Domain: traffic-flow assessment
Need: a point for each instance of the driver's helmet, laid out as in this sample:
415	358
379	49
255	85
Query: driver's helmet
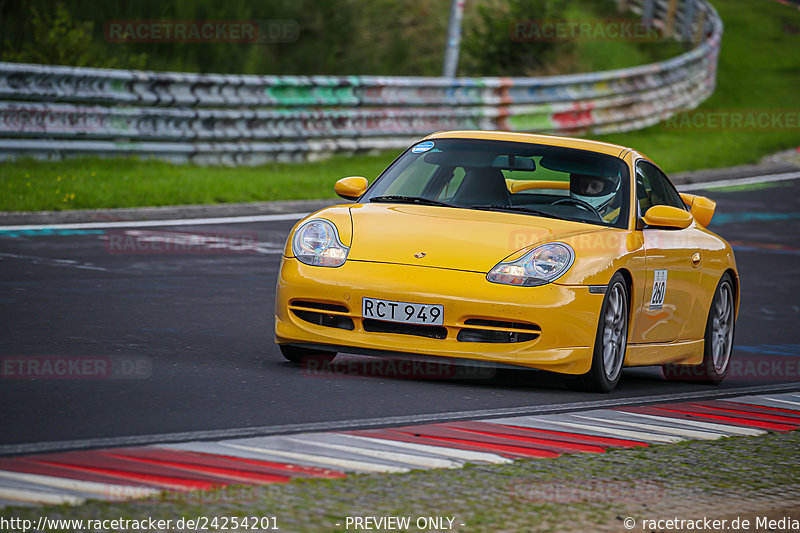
591	186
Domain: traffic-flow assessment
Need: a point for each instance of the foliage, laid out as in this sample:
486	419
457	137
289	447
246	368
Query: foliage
57	39
490	47
335	37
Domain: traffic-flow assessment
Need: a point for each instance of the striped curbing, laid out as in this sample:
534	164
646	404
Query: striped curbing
115	474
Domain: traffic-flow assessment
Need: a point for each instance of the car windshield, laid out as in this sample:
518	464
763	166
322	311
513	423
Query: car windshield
516	177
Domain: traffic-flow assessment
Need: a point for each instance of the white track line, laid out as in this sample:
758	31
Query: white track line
767	178
671	422
620	433
346	464
456	453
46	498
49	261
670	430
783	401
151	223
731	430
106	491
395	457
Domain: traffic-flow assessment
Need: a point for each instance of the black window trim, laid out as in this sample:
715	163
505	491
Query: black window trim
639	215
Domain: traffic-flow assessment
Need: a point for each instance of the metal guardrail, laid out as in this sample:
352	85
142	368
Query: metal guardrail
54	111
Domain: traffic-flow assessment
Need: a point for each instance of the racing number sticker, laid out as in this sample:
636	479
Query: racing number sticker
659	289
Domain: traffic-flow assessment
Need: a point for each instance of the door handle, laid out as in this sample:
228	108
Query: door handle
696	259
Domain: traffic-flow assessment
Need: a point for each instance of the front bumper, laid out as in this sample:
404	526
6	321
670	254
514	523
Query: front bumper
566	316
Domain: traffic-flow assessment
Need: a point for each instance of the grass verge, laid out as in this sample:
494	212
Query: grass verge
580	492
759	71
85	183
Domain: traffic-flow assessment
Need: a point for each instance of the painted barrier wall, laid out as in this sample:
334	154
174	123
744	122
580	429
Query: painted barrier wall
55	111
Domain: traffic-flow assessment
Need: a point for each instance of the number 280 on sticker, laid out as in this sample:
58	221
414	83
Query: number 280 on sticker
404	312
659	289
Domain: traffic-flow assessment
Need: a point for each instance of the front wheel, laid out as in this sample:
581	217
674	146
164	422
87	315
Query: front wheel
718	340
611	340
298	355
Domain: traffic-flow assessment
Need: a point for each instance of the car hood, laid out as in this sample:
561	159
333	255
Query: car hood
452	238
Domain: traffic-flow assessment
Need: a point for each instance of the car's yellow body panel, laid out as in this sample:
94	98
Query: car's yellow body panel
439	255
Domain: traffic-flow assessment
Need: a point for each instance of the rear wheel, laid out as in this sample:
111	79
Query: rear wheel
718	340
611	341
299	355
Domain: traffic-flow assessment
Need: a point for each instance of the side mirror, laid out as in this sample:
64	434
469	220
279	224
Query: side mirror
351	188
701	207
666	216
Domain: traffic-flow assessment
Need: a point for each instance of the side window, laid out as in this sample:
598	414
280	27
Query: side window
653	188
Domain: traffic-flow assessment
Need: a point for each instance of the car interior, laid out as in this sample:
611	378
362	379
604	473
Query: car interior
542	181
554	186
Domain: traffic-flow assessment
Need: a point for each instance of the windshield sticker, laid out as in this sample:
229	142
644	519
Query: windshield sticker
659	290
422	147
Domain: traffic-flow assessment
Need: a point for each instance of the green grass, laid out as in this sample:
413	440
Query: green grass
29	185
759	68
611	54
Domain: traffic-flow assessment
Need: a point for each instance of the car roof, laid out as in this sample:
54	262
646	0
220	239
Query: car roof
535	138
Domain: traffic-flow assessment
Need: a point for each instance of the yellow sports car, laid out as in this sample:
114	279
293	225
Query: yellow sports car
560	254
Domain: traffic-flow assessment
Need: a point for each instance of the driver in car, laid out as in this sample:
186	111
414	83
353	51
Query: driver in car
590	188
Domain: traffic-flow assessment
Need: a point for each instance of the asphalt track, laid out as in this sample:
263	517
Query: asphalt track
189	337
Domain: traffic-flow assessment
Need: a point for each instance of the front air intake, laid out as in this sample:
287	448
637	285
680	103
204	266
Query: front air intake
419	330
497	331
323	314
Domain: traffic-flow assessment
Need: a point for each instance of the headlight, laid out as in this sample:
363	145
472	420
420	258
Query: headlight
541	265
317	243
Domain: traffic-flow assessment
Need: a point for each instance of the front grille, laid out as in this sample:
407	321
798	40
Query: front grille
419	330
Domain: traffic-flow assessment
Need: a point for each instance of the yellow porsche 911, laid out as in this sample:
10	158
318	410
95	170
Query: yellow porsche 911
559	254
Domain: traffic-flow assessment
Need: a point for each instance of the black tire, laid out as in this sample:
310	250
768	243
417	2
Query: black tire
610	342
718	340
303	356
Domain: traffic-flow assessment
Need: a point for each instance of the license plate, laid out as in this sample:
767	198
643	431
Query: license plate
408	313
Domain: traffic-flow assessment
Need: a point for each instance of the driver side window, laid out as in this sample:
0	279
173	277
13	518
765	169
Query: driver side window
653	188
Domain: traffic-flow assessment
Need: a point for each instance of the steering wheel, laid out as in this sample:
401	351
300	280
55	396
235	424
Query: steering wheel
586	206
